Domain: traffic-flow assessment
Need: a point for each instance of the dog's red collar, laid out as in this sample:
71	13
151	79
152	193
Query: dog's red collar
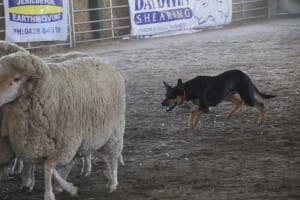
183	98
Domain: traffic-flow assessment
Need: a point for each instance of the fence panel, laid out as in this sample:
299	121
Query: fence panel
92	20
249	9
107	19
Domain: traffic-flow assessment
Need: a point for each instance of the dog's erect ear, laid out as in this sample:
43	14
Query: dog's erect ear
166	85
180	84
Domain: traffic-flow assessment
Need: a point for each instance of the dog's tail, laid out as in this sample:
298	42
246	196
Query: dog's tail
265	96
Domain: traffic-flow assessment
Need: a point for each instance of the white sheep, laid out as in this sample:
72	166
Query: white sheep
27	176
51	112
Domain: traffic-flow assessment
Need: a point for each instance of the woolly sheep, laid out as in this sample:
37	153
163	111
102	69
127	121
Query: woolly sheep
27	176
51	112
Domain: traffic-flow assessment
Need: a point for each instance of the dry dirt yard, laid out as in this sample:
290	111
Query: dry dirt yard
222	158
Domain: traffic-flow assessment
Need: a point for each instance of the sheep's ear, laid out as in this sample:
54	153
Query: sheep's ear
166	85
8	48
180	84
22	63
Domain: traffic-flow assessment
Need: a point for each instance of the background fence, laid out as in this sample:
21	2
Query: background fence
97	20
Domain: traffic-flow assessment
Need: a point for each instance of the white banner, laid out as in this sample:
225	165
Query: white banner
152	17
36	20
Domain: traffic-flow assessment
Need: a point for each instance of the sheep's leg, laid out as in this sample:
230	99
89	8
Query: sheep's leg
112	171
112	154
67	186
64	173
86	162
82	166
88	165
121	159
17	166
48	172
4	171
27	176
14	166
20	166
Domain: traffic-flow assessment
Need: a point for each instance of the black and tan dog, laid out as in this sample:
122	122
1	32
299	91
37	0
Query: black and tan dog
207	91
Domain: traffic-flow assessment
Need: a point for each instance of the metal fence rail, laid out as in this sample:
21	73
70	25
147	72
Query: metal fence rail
110	26
109	19
249	9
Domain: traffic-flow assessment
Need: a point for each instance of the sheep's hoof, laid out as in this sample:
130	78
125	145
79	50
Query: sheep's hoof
106	174
30	188
49	196
26	188
74	191
22	188
57	189
112	188
77	196
87	173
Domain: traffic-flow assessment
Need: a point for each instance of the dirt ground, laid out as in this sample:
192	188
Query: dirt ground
222	158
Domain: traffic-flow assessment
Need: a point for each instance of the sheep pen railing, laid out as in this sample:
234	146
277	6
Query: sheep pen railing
91	21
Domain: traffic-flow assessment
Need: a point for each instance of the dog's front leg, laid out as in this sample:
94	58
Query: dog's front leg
191	121
194	118
197	117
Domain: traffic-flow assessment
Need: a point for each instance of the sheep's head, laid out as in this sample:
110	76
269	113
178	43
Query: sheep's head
15	70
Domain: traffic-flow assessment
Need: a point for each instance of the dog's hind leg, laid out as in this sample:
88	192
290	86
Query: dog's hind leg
261	109
247	95
236	101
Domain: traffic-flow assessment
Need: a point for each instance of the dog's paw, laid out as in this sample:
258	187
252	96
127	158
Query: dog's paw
187	129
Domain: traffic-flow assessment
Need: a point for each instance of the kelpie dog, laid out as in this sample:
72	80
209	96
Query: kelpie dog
207	91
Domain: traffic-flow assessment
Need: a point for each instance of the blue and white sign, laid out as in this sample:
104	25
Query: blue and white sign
152	17
36	20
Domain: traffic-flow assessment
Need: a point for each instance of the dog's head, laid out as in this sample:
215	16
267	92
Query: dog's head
174	95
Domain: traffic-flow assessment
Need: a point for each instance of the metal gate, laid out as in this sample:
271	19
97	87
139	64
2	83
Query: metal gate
103	20
249	9
99	20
